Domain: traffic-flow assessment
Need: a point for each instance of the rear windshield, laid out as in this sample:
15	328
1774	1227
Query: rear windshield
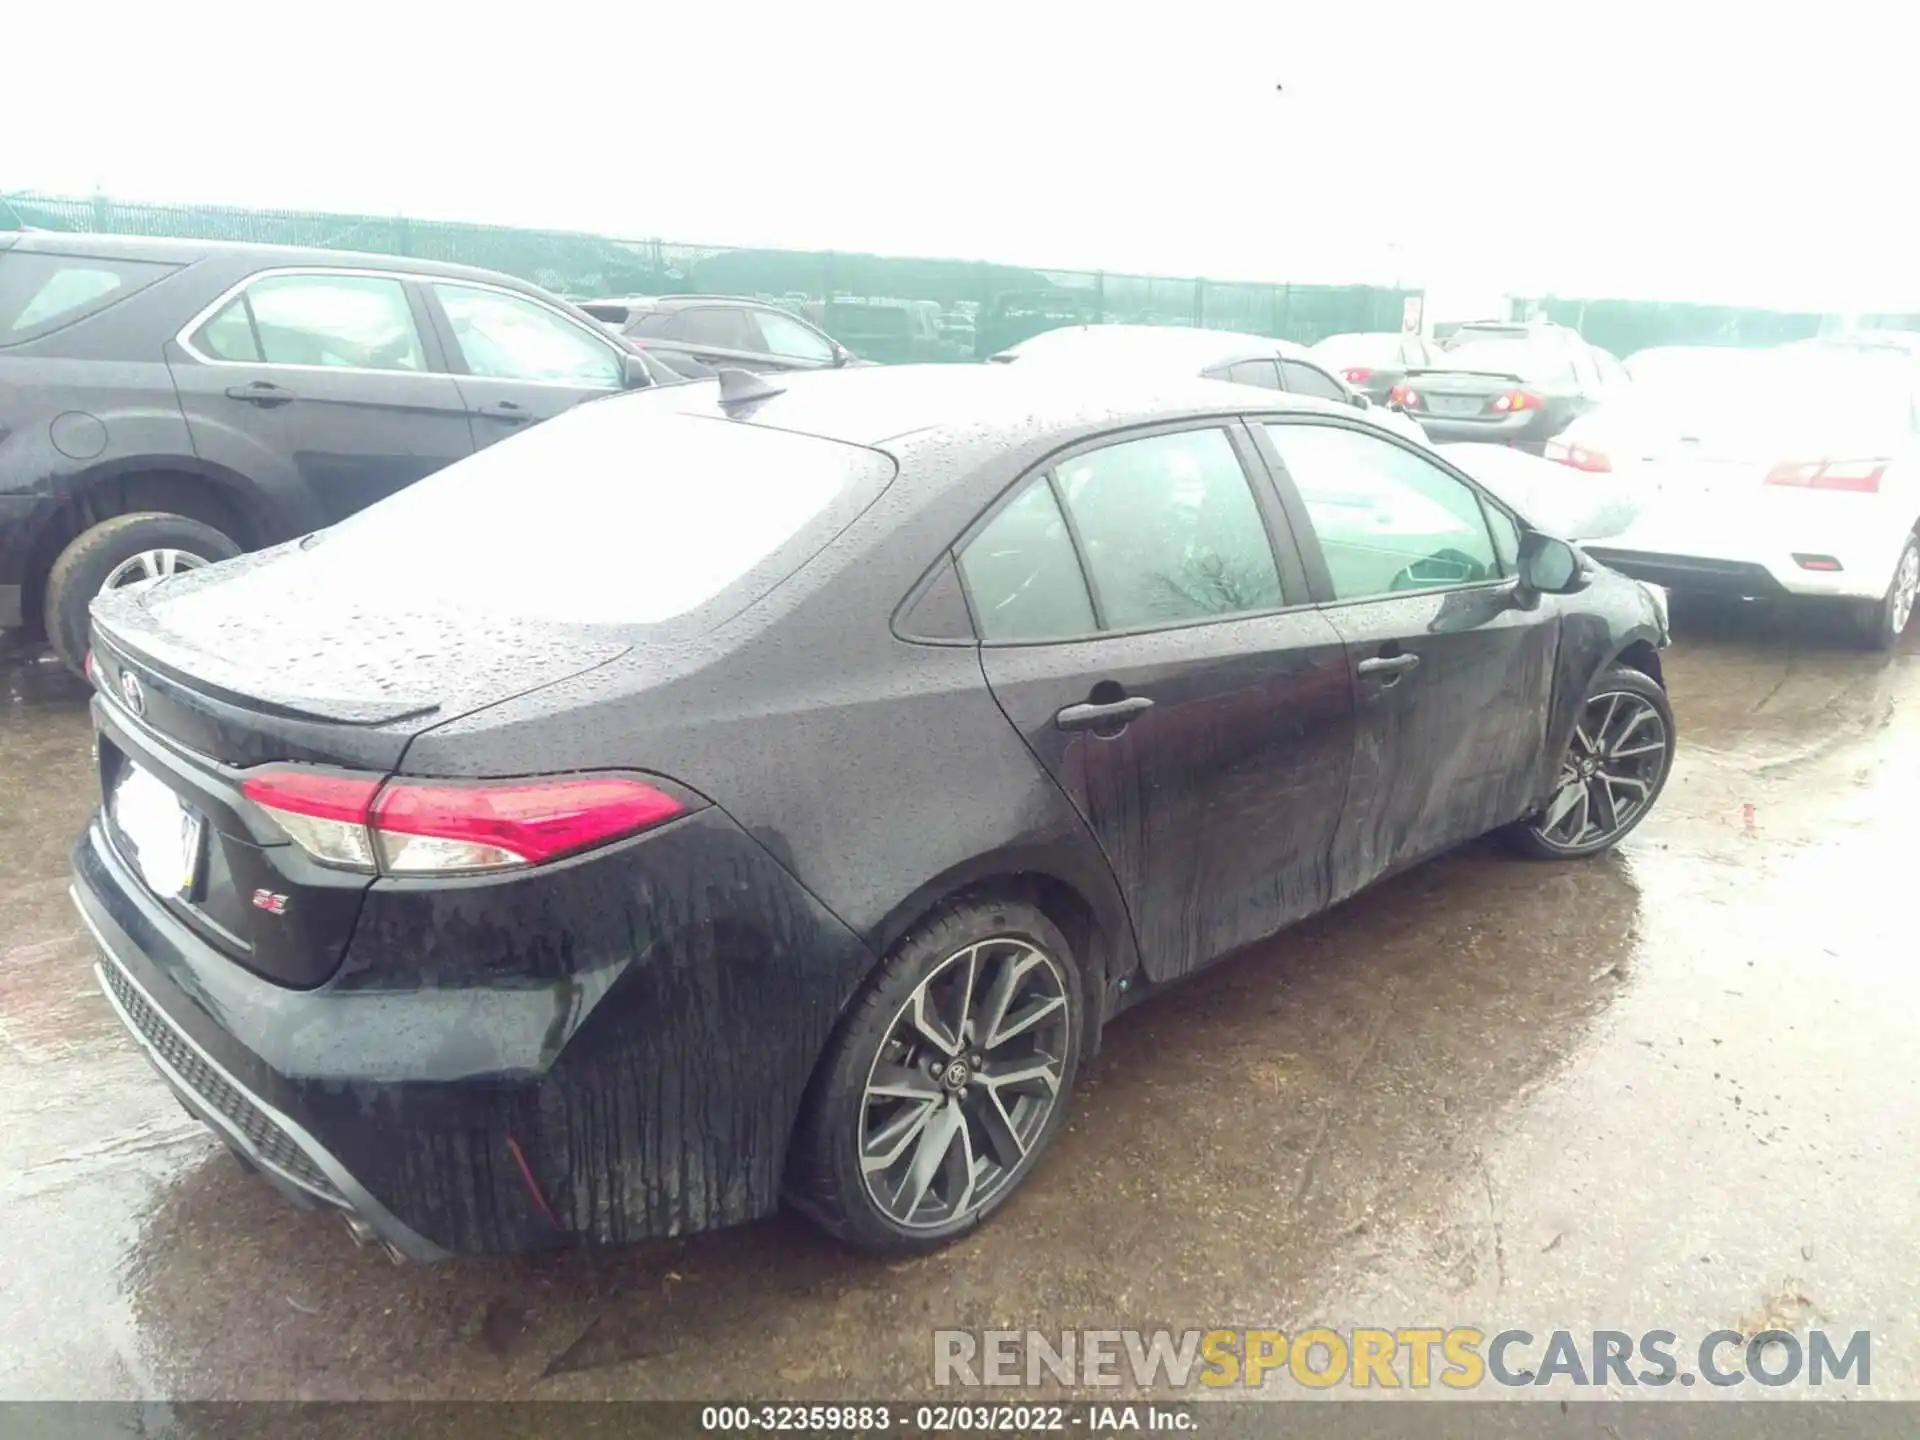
40	292
1781	406
1359	349
1531	357
610	515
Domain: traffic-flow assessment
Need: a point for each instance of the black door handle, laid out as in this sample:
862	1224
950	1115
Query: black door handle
1111	717
506	411
263	393
1395	665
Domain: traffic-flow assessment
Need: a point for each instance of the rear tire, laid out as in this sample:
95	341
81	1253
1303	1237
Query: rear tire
1882	622
99	554
894	1101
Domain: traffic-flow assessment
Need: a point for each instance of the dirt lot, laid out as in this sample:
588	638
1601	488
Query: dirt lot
1673	1088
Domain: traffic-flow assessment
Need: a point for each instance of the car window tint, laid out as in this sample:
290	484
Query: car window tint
1387	520
1506	535
723	329
229	334
362	321
509	337
39	293
1304	379
1022	574
1263	373
729	497
1170	530
787	337
654	322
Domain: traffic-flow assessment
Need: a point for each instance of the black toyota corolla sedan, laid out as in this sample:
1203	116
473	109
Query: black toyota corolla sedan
766	788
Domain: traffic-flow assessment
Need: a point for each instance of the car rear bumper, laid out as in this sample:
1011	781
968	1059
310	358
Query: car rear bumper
451	1100
1527	431
221	1083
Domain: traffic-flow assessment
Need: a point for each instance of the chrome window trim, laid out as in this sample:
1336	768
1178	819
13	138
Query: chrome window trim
184	339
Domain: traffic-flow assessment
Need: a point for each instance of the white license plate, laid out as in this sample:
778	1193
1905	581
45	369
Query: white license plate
1456	404
163	834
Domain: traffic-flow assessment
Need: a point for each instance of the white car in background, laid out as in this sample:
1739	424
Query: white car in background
1213	354
1793	471
1578	506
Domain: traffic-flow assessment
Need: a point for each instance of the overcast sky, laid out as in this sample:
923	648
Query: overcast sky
1746	154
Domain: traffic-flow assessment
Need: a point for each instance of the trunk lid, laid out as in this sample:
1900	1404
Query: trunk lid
270	658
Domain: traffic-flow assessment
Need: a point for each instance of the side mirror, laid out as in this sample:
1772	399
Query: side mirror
1363	402
1549	566
635	373
841	355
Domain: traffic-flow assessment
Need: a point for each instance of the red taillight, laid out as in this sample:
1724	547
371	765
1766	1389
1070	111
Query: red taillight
1405	396
1579	457
88	666
421	826
1859	476
1517	400
1357	374
445	827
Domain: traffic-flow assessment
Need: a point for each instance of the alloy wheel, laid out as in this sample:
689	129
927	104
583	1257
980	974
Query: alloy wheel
150	565
1906	585
1613	767
965	1082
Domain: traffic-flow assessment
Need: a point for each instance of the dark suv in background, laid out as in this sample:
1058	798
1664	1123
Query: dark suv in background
697	334
169	403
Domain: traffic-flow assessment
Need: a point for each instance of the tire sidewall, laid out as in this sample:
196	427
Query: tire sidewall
1615	678
1879	619
839	1101
83	567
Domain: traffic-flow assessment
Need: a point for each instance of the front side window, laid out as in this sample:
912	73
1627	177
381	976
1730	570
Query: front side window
361	322
1305	379
1023	575
1388	521
509	337
1169	530
788	338
39	292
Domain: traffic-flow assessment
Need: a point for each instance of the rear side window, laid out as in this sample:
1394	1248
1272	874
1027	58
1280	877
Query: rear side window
40	293
607	515
1164	528
1263	373
360	322
1023	575
1311	380
721	329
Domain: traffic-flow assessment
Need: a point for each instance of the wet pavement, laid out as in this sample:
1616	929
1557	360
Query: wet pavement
1674	1088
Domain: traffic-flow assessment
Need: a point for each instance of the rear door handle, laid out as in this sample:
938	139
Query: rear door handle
505	411
1388	665
1113	715
263	393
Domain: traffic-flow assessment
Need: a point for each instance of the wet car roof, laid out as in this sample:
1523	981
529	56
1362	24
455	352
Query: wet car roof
871	404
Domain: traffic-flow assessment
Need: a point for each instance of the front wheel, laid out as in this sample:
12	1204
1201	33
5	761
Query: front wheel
1614	769
945	1083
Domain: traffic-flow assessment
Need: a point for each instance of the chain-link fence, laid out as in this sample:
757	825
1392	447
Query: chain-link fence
885	307
895	308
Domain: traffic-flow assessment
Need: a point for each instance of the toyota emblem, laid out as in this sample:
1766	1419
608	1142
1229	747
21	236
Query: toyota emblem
133	693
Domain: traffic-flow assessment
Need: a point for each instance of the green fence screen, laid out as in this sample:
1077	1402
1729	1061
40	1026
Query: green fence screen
895	308
885	307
